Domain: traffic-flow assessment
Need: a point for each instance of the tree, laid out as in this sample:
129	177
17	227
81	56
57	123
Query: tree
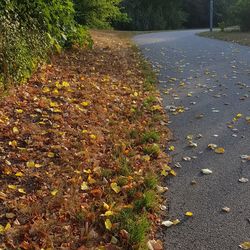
152	15
242	14
98	13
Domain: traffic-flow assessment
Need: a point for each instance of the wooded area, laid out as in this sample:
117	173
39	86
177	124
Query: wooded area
33	30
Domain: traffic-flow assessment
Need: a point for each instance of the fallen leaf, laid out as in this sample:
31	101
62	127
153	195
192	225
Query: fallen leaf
189	214
245	245
115	187
84	186
167	223
206	171
226	209
161	189
219	150
108	224
243	180
54	192
21	190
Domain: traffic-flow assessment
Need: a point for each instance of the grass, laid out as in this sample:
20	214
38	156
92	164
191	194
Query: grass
137	225
151	181
152	150
242	38
150	137
147	201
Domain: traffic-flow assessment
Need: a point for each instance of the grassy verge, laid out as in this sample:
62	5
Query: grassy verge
242	38
83	151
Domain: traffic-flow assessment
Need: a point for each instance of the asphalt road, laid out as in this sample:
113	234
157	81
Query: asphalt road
212	85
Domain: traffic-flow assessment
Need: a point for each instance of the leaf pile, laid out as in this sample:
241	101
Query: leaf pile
80	152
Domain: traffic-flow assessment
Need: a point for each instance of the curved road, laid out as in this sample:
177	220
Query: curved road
210	80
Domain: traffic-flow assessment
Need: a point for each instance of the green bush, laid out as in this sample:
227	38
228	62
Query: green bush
98	13
32	29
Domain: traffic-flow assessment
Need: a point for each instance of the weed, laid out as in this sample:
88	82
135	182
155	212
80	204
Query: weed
106	173
149	101
150	137
125	168
136	225
151	181
122	181
134	134
152	150
147	201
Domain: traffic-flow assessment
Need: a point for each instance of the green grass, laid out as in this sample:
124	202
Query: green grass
150	137
137	225
152	150
242	38
151	181
125	168
147	201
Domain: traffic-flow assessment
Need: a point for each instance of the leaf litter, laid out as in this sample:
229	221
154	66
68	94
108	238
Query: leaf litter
73	168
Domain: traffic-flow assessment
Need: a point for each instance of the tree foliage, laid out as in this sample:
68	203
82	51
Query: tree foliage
152	15
242	14
30	30
98	13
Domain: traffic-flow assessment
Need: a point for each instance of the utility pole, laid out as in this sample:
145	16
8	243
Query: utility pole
211	15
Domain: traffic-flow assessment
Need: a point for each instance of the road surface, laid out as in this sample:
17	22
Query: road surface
210	81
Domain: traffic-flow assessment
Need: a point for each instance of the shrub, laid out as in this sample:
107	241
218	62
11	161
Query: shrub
30	30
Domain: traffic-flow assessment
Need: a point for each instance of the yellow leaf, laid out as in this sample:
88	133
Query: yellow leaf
239	116
55	92
164	172
115	187
171	148
108	224
58	85
51	155
106	206
19	111
19	174
189	214
172	172
46	90
30	164
146	158
14	187
21	190
38	165
175	222
109	213
54	192
219	150
167	168
85	104
53	104
91	180
84	131
15	130
7	227
1	229
87	171
13	143
245	245
65	84
93	137
84	186
156	108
